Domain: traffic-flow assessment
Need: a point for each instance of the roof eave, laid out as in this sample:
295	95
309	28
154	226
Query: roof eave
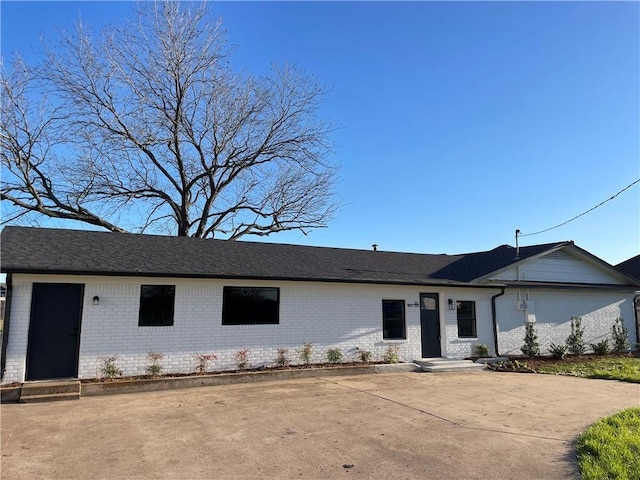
229	276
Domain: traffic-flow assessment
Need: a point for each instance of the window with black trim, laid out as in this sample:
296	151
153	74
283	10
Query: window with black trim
393	324
156	305
250	306
466	319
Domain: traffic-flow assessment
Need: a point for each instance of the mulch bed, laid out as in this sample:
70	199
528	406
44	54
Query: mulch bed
220	372
532	365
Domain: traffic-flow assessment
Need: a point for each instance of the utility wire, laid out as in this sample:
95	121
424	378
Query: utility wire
583	213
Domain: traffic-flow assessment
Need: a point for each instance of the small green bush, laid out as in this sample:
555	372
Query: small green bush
531	347
305	353
154	368
620	336
391	355
575	341
482	350
334	355
601	348
558	352
364	356
108	367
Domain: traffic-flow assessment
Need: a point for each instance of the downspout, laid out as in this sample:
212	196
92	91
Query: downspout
5	328
494	317
636	313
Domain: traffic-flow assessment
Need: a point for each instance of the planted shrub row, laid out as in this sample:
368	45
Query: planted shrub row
575	343
241	358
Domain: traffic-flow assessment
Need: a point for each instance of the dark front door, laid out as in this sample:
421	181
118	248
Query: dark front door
54	330
430	324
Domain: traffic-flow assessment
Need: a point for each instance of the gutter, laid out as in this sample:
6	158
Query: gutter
494	318
5	328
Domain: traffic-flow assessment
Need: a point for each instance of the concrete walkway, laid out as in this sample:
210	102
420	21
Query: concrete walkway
473	425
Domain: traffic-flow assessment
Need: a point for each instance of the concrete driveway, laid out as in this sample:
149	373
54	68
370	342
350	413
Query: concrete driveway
411	425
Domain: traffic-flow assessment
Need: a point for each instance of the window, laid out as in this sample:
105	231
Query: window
466	319
393	327
156	305
250	306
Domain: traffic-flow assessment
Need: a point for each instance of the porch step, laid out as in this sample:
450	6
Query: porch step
448	365
50	391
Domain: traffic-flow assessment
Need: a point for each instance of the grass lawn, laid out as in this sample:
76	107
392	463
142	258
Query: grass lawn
626	369
610	449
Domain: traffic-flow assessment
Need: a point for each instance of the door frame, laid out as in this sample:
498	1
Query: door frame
76	351
438	311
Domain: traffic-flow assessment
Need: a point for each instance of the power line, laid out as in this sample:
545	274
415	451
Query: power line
583	213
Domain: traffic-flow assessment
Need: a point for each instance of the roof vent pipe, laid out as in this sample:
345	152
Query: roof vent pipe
517	245
375	247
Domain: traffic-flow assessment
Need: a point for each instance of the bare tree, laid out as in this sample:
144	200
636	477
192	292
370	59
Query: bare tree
149	121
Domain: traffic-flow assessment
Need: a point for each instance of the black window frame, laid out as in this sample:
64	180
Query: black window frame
157	310
388	322
468	319
244	313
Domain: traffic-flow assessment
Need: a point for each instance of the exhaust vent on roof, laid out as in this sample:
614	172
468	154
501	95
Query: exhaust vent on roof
559	255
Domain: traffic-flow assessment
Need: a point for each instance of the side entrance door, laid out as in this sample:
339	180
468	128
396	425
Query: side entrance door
54	330
430	324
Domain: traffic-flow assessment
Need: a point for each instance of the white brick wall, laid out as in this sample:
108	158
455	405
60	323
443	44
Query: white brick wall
466	347
345	316
19	331
553	311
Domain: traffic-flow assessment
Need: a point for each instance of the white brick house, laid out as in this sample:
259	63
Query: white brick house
75	297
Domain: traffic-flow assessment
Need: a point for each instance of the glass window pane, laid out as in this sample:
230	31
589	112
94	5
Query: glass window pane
393	321
250	306
156	305
466	313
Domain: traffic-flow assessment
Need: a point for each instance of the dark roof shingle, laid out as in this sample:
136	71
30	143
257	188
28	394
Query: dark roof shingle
45	250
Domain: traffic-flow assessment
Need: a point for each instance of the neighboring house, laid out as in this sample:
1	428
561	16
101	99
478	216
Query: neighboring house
75	297
630	267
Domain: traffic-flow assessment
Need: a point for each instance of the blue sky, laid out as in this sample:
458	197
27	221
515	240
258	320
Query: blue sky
459	121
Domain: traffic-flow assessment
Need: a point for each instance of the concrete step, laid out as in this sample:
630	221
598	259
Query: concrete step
448	365
50	390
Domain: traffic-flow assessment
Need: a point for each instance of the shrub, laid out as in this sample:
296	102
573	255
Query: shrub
481	350
575	341
620	336
334	355
108	367
241	357
305	353
282	360
203	361
601	348
558	352
364	356
391	355
154	368
531	347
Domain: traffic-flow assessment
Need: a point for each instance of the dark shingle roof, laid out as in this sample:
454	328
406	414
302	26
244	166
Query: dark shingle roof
41	250
630	267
